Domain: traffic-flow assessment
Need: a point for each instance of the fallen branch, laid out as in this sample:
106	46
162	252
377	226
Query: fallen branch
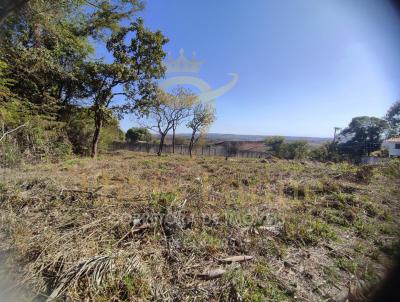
90	193
134	231
11	131
212	274
236	259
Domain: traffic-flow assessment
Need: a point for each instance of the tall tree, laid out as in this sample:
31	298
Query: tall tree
160	116
363	136
47	58
393	119
181	101
130	76
202	116
46	43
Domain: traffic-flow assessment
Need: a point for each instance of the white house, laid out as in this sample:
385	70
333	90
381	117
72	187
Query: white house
393	146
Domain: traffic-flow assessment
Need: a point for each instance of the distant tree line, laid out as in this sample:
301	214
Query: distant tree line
362	136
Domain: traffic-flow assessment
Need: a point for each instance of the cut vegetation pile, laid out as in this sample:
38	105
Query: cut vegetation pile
136	227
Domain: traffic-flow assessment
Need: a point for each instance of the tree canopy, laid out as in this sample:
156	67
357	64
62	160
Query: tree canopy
50	77
135	67
201	118
363	136
134	135
393	119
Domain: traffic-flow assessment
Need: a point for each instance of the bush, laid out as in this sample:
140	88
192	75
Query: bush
48	137
10	154
277	146
326	152
307	230
319	153
134	135
296	150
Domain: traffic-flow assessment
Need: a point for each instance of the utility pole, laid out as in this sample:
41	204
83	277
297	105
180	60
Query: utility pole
336	129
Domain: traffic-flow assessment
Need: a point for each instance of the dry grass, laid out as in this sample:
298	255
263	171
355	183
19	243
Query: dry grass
135	227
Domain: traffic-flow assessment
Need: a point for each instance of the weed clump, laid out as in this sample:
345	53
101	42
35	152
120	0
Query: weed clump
307	230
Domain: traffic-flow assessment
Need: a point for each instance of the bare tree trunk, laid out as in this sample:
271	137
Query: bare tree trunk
191	143
96	135
37	35
161	145
173	138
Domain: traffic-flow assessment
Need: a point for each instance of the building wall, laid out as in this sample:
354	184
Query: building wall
391	147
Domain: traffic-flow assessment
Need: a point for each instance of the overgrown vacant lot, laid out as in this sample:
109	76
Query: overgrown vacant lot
136	227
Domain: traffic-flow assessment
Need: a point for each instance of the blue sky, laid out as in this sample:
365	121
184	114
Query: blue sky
305	66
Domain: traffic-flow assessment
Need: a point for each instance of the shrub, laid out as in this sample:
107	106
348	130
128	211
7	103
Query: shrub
134	135
296	150
277	146
307	230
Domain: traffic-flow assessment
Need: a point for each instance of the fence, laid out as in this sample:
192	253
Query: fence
216	150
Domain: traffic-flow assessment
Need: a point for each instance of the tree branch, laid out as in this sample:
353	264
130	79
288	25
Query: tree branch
11	131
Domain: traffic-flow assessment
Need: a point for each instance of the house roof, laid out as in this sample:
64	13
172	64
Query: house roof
394	139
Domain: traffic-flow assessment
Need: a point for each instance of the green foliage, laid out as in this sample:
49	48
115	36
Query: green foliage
43	52
320	153
46	70
80	129
363	136
5	82
307	230
365	228
326	152
10	154
39	140
277	146
134	135
136	65
392	169
297	150
346	264
202	116
256	284
393	119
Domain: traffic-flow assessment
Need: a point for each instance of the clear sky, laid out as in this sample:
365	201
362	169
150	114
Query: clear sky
305	66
